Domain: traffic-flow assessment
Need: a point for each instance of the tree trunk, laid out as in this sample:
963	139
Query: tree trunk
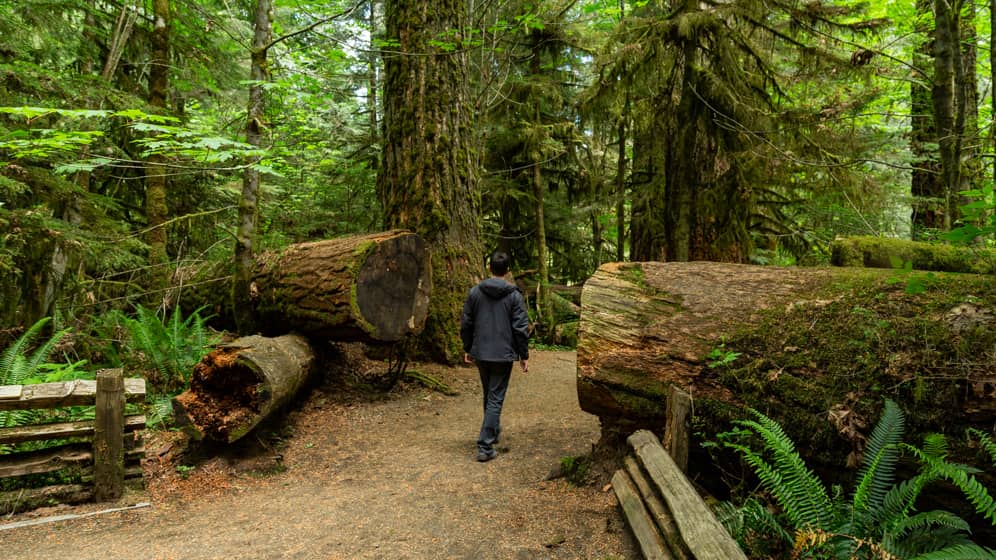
947	113
621	184
240	384
372	288
428	177
816	349
156	209
249	202
926	184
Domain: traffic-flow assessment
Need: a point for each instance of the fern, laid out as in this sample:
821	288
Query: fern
987	443
17	367
878	518
797	489
878	468
968	551
962	477
170	349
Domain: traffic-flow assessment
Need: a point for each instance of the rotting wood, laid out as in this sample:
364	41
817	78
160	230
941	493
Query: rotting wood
368	288
676	426
62	430
702	533
651	544
658	511
81	392
240	384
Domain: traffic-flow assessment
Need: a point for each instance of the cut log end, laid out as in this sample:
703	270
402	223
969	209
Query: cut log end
392	288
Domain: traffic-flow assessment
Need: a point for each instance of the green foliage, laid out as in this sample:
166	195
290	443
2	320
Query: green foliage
879	519
24	363
18	363
165	351
576	469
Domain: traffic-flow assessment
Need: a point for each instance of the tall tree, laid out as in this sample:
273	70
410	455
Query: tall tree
156	209
427	181
249	202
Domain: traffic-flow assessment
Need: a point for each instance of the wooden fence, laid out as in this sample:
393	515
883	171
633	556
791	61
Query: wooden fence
668	517
103	452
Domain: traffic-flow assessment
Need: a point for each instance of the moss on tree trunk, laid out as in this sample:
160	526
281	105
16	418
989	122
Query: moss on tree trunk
427	178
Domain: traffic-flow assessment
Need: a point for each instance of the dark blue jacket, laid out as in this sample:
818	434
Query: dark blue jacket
494	325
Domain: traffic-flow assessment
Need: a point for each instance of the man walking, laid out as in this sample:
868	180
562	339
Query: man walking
494	328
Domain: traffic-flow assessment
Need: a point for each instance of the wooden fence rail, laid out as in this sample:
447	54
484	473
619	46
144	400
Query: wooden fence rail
103	452
668	517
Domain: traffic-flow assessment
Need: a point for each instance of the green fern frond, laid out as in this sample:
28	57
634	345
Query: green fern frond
877	474
935	445
959	552
797	489
929	519
16	366
962	477
986	441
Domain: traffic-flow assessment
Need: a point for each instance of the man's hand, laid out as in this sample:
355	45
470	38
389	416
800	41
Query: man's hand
525	365
466	358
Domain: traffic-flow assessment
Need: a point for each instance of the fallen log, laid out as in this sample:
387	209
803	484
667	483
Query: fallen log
818	350
240	384
368	288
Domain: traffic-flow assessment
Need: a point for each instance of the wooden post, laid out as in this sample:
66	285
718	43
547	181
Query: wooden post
676	438
108	437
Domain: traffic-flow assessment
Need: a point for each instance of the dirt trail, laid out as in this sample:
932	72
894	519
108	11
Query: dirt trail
394	478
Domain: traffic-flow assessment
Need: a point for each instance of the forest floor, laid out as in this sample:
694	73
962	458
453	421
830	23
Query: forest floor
354	475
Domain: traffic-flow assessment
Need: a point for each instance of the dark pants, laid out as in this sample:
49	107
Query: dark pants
494	383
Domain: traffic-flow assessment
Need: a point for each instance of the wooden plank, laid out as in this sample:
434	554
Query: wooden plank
62	430
705	537
658	511
46	460
676	438
651	544
108	437
13	501
81	392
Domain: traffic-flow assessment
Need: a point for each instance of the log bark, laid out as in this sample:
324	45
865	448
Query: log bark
369	288
240	384
646	326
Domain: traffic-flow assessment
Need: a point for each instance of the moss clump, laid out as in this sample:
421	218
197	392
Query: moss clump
880	252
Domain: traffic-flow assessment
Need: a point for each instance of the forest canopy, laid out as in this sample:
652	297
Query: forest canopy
149	149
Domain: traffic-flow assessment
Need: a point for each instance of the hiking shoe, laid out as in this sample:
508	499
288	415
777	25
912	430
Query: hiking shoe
484	456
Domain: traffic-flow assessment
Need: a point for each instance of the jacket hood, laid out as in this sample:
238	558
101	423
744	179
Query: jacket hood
496	288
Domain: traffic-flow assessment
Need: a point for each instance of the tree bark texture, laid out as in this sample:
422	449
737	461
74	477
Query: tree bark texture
927	184
428	174
249	201
156	210
372	288
816	349
240	384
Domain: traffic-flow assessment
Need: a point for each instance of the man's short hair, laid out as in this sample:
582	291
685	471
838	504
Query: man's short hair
499	264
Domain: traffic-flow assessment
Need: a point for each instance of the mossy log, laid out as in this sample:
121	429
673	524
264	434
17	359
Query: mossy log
816	349
368	288
881	252
240	384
